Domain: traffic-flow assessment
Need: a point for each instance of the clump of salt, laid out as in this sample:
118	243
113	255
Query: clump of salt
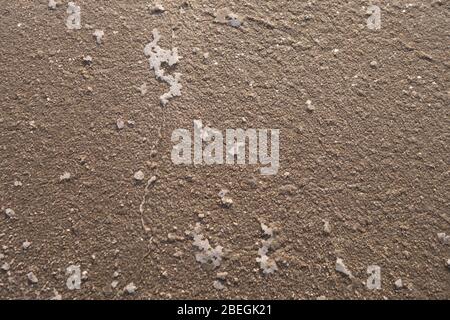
443	238
65	176
158	56
207	254
268	265
52	4
74	19
98	35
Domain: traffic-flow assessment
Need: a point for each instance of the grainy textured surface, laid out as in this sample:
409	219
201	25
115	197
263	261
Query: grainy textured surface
372	158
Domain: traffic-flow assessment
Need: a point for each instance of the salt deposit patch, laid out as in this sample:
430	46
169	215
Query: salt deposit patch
158	56
268	265
206	253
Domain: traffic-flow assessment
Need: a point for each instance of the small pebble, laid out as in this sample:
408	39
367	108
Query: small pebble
98	35
326	227
157	9
52	4
87	60
10	213
32	278
218	285
222	275
26	245
309	106
130	288
5	266
227	202
398	284
139	176
443	238
340	267
120	124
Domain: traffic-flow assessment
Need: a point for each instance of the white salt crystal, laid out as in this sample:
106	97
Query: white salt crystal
98	34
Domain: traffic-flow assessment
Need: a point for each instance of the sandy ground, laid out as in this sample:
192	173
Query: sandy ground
371	159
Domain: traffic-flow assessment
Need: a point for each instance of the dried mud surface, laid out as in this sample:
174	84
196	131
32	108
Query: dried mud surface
371	159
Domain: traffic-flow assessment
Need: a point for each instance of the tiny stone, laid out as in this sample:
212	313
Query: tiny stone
218	285
5	266
398	284
98	34
130	288
139	176
227	202
120	124
309	106
52	4
222	275
17	183
116	274
114	284
87	60
32	278
157	8
10	213
26	245
84	275
374	64
447	263
340	267
326	227
445	239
